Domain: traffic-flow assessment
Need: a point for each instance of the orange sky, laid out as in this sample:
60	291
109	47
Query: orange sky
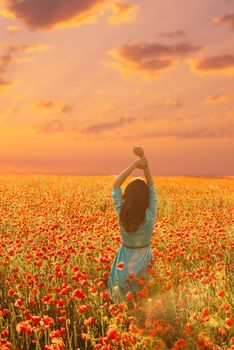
81	83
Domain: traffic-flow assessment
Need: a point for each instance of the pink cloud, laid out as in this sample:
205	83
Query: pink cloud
10	54
148	59
216	63
228	18
41	14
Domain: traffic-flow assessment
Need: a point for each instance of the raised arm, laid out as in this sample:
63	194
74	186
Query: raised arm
138	163
123	175
147	172
148	175
149	179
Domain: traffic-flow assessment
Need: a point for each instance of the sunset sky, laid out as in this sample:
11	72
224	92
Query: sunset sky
82	82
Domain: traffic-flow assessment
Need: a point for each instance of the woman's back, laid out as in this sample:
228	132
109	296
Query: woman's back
135	251
142	235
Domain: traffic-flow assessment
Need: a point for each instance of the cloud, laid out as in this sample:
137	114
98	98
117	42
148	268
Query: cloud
173	103
54	126
228	18
217	99
4	12
223	63
12	29
33	47
190	134
57	105
50	14
194	126
123	13
106	126
149	59
173	34
147	125
45	15
67	108
11	54
11	49
5	84
212	126
45	103
150	125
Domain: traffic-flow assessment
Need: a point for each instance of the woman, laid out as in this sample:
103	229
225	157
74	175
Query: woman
136	210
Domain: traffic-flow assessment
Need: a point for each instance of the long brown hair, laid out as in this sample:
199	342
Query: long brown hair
134	205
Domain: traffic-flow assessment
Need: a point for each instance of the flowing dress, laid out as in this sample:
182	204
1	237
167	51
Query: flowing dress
137	258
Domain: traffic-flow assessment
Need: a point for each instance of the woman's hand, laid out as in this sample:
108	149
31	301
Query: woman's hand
141	163
138	151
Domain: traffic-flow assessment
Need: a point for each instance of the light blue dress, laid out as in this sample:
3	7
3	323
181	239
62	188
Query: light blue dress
137	260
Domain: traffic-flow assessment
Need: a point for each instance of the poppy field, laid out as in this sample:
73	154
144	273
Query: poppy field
58	238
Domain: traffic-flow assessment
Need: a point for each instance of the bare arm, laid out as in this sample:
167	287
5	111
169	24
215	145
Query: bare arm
123	176
149	179
138	163
147	172
148	175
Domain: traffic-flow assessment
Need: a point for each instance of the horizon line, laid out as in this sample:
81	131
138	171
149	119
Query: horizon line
88	174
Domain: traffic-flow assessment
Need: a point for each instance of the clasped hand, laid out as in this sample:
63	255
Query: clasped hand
140	163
